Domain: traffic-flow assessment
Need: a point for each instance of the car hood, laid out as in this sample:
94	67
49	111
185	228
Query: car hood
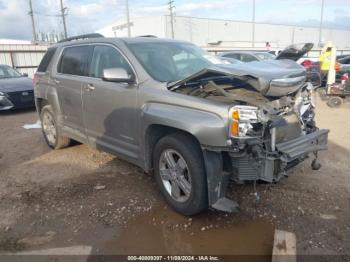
271	77
295	52
15	84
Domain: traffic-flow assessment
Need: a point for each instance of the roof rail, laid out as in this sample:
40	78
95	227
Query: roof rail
79	37
148	36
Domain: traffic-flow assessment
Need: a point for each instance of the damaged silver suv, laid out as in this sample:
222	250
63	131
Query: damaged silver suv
176	111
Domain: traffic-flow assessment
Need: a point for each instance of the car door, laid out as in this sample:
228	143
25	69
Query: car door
110	108
72	70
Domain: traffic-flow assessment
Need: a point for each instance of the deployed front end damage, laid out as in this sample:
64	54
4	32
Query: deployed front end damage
271	125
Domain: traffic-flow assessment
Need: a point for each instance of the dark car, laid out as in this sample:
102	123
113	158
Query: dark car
16	90
344	64
248	56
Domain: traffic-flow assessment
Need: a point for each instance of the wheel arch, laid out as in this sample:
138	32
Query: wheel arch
153	134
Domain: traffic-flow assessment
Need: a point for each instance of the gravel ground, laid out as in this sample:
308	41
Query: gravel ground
79	196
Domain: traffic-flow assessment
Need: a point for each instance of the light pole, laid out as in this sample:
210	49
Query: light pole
31	13
63	10
253	25
321	24
128	18
171	7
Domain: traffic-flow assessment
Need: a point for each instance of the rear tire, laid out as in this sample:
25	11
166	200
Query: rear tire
335	101
51	132
178	162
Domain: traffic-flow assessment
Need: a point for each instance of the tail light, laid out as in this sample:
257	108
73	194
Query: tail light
307	63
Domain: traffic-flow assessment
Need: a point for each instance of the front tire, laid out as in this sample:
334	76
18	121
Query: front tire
180	173
50	130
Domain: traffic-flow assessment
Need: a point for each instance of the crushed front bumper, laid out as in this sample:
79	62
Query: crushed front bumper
260	164
296	148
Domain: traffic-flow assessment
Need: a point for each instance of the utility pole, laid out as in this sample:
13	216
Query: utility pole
321	25
253	25
63	14
128	18
171	8
31	13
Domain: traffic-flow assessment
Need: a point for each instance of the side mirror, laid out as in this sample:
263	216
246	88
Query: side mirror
118	75
25	74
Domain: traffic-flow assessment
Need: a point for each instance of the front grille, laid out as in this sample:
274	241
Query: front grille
21	98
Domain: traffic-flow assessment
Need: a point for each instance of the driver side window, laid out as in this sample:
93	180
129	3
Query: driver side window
105	57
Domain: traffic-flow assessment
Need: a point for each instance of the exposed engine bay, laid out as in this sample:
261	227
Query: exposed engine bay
270	132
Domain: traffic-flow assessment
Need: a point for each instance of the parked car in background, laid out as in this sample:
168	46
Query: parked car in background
344	64
16	90
342	56
165	106
230	60
314	67
247	56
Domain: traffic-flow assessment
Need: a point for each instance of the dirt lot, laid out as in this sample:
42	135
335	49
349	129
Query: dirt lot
79	196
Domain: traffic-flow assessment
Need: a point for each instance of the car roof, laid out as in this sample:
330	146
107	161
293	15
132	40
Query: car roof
118	40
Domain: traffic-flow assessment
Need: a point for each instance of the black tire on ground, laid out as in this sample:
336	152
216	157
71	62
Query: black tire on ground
335	101
193	156
59	141
323	94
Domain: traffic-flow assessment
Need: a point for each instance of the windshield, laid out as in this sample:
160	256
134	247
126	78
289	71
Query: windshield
7	72
170	61
264	56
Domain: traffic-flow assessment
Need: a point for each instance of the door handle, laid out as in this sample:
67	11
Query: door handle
90	87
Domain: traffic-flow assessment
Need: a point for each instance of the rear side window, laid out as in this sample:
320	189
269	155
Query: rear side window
74	61
235	56
248	58
46	59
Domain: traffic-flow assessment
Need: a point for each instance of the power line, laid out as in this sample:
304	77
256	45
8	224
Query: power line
31	13
50	15
171	8
63	14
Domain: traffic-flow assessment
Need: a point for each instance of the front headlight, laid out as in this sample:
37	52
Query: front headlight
243	120
2	94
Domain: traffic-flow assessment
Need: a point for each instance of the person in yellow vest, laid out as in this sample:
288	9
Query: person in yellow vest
325	61
328	64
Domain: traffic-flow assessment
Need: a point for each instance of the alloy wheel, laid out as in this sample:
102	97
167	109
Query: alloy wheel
49	128
175	175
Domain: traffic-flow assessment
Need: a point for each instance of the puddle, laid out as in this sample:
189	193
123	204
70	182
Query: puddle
162	231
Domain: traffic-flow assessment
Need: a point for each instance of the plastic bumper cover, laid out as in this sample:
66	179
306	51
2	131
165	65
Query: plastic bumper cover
303	145
5	103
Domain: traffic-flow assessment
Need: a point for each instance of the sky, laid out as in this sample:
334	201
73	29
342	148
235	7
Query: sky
86	16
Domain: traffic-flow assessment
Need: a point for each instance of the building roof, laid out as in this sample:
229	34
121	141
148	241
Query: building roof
4	41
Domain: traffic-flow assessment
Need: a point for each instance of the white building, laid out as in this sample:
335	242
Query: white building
207	32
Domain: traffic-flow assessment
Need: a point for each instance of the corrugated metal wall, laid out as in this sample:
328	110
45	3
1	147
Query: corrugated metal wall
25	58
